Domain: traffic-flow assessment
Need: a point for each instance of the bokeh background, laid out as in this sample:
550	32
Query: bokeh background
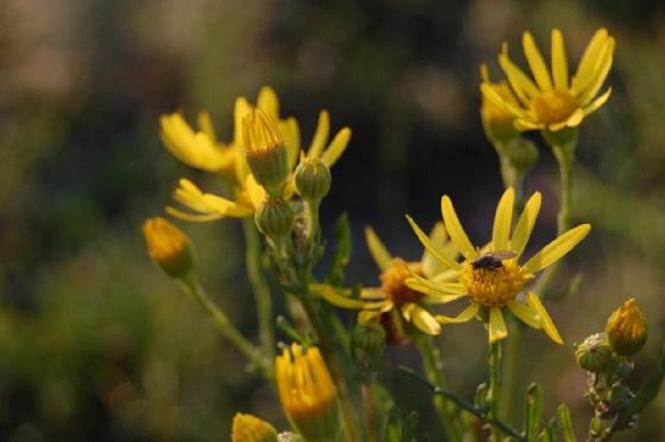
96	344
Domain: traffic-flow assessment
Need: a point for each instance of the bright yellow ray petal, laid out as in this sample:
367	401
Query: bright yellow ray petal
575	118
268	102
466	315
377	249
336	298
320	136
438	236
336	147
205	124
546	321
372	294
492	95
242	108
192	217
497	326
598	102
439	293
536	63
445	276
524	125
524	88
255	191
455	229
600	74
421	318
525	314
591	52
525	224
553	251
502	220
424	239
559	61
366	316
291	135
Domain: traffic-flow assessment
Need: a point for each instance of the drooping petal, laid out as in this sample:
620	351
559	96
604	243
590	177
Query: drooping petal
466	315
502	220
536	63
340	299
525	314
425	241
525	224
559	61
377	249
497	326
546	321
336	147
320	136
598	102
455	229
188	194
553	251
372	294
421	318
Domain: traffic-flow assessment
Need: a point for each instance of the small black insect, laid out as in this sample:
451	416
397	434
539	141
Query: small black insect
492	260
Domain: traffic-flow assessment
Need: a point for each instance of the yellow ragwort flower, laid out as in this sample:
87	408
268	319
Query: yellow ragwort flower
377	303
248	428
626	329
498	122
492	277
248	193
307	393
168	246
554	101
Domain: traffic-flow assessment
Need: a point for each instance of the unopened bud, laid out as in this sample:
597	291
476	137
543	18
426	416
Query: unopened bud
248	428
274	217
266	153
594	354
626	329
313	180
168	246
368	342
521	153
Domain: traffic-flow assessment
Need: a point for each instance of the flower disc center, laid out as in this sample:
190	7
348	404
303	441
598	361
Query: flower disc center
494	287
554	106
393	281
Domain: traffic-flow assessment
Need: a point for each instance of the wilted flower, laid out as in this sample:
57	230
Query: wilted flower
626	329
248	428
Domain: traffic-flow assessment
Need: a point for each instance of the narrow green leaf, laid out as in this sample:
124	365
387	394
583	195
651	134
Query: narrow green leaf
342	250
566	424
410	429
533	414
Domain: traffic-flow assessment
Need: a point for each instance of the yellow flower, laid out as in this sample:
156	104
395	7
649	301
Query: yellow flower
626	329
492	277
168	246
307	392
555	101
248	194
376	303
498	122
248	428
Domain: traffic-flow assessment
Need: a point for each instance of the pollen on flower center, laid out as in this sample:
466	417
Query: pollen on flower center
393	281
494	287
554	106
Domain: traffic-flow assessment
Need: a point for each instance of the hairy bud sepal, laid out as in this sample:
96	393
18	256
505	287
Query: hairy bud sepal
274	217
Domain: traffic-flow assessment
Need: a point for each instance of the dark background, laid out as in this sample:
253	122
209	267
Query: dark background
95	344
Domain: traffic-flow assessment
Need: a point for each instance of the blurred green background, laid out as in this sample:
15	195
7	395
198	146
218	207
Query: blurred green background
96	344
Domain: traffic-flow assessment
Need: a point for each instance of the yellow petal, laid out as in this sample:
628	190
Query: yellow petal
546	320
493	96
425	241
524	88
600	73
437	237
497	326
336	147
377	249
191	196
525	224
242	108
366	316
320	136
372	294
536	63
268	102
529	316
553	251
255	191
502	220
575	118
585	68
440	292
524	125
205	123
337	298
559	61
192	217
455	229
421	318
598	102
291	134
466	315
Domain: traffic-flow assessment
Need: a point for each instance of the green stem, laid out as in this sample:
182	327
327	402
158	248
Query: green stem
564	157
433	370
370	418
192	286
494	365
260	287
513	370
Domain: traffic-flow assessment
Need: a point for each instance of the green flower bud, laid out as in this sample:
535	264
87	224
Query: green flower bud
521	153
274	217
626	329
594	354
368	342
313	179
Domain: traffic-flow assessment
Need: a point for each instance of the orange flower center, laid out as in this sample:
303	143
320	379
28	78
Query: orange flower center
393	281
554	106
494	287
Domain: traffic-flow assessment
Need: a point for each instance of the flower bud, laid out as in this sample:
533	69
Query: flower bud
497	121
274	217
307	393
626	329
367	344
266	152
248	428
169	247
521	153
313	180
594	354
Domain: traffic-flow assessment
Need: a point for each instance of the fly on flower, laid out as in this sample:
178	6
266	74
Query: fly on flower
492	277
394	298
555	101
